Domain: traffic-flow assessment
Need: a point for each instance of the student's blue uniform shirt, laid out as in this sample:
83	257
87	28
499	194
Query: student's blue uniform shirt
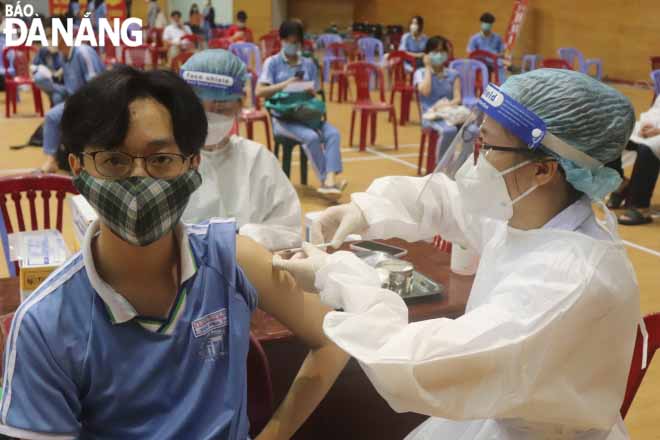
492	43
276	69
54	61
410	44
80	363
442	86
82	65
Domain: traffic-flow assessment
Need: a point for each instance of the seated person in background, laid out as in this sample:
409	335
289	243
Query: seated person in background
81	64
47	71
174	33
434	83
414	42
262	200
278	72
488	41
145	333
637	191
240	31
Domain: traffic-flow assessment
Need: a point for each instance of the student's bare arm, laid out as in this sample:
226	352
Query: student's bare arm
303	314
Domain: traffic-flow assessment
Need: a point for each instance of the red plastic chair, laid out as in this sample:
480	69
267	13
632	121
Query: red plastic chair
218	33
21	76
110	57
251	115
636	375
15	186
402	82
338	55
363	72
490	60
155	39
219	43
180	59
309	46
259	388
139	57
556	63
270	44
430	135
192	39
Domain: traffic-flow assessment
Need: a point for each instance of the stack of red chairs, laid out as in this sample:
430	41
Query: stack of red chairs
218	33
363	72
21	76
219	43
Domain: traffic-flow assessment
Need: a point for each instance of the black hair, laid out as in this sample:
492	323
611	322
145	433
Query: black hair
175	13
241	16
113	91
420	22
97	3
487	17
292	27
436	42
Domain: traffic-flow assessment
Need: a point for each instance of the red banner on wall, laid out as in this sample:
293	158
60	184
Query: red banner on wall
116	8
517	18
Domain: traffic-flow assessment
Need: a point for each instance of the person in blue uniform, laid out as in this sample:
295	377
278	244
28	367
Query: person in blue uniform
414	42
144	334
81	64
434	82
488	41
278	72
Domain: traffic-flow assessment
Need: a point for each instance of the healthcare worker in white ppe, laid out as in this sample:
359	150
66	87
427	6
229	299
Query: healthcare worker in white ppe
240	178
544	348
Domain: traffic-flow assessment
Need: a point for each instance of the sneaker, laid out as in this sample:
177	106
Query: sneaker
338	188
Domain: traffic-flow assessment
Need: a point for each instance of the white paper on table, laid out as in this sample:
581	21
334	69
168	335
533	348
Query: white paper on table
299	86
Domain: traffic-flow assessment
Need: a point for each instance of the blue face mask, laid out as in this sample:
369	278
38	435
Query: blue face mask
438	58
486	27
290	49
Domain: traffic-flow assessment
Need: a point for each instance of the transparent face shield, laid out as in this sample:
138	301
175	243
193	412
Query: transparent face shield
516	119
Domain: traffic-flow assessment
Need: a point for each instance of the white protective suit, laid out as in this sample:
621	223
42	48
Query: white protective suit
544	348
244	180
652	116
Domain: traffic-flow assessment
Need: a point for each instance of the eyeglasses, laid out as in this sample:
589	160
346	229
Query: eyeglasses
479	147
117	165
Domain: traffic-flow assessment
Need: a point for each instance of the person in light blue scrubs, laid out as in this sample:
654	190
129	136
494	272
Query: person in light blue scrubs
489	41
100	12
414	42
434	82
81	64
321	146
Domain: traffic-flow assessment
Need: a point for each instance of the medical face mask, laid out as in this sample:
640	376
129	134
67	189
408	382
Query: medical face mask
486	27
438	58
219	126
290	49
414	28
140	210
484	192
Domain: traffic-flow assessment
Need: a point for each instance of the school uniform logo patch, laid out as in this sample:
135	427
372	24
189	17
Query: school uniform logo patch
207	323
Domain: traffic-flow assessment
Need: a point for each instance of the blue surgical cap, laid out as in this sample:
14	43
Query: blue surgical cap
584	113
215	75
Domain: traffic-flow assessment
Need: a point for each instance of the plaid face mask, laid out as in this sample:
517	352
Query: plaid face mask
140	210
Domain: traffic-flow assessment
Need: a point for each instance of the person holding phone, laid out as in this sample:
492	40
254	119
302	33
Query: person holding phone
321	146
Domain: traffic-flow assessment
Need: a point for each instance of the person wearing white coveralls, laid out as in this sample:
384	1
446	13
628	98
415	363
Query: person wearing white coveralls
544	348
241	178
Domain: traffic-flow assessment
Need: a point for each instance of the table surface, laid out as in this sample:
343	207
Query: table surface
428	260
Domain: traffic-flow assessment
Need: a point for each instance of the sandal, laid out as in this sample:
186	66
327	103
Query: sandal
617	198
633	217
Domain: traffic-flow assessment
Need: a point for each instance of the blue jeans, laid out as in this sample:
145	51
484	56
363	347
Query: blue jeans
52	132
323	150
56	92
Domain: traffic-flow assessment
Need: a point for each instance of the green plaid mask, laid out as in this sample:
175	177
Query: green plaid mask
140	210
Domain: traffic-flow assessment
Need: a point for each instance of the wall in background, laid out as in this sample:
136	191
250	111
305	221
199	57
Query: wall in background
318	15
624	34
260	15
